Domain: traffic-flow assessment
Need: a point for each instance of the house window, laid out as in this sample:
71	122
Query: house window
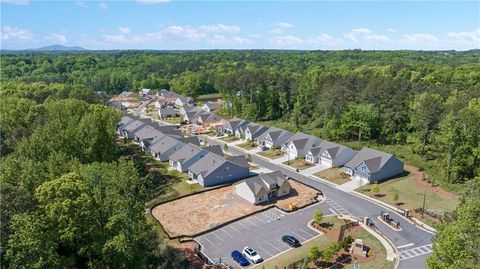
362	168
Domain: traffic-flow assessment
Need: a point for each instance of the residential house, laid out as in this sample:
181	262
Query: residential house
254	131
210	106
166	95
146	134
163	103
184	110
299	145
263	188
240	131
184	101
167	112
192	116
214	170
190	154
330	154
130	128
123	121
208	119
164	147
126	94
274	138
232	125
145	92
372	165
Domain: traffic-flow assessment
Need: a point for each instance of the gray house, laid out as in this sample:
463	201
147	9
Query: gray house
263	188
254	131
214	170
164	147
123	121
210	106
190	154
232	125
130	128
330	154
184	101
167	112
184	110
299	145
145	135
274	137
372	165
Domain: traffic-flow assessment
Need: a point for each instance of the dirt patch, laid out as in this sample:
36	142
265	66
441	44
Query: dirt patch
419	177
206	210
300	195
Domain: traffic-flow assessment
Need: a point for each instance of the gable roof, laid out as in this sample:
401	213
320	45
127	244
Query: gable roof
302	140
275	133
209	163
163	144
167	111
191	139
132	126
124	120
373	159
236	123
167	94
333	149
184	100
186	152
148	132
262	181
216	149
212	105
240	160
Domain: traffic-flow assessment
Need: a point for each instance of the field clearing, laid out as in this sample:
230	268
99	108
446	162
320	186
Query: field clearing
197	213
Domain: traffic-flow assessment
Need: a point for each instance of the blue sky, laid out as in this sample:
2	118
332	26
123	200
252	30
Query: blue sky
162	24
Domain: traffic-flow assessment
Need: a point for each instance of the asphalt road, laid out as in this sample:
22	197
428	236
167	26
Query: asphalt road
413	243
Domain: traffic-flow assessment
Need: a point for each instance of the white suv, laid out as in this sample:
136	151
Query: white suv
252	255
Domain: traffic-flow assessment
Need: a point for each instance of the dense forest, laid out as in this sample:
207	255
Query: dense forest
425	101
69	199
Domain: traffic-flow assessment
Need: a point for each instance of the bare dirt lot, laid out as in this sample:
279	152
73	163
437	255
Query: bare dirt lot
200	212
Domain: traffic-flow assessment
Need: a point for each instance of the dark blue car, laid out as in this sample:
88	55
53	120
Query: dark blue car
239	258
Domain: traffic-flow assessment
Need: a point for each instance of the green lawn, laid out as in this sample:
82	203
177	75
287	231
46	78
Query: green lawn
379	261
229	139
408	190
272	153
299	163
333	175
296	254
174	120
247	145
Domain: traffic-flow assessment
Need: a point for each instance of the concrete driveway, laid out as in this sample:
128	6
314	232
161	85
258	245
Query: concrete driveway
313	170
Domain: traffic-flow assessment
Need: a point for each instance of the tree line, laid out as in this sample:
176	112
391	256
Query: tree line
69	198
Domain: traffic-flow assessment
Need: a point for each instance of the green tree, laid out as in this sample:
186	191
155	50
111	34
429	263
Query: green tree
395	197
318	216
360	120
456	243
375	188
314	253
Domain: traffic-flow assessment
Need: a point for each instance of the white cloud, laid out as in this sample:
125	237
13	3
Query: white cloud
285	40
364	34
152	1
13	33
124	30
180	33
220	28
283	25
415	39
57	38
391	30
225	40
325	39
255	36
466	38
103	5
114	38
16	2
81	4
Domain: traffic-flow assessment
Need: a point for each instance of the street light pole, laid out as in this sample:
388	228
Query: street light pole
423	207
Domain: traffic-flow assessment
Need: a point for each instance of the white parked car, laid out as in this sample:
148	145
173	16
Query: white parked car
252	255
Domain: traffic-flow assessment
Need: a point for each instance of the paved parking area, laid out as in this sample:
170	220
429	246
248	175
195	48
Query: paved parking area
262	231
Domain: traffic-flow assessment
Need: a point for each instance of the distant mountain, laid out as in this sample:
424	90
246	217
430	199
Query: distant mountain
59	48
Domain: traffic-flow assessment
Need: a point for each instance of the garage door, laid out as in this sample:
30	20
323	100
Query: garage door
326	162
362	178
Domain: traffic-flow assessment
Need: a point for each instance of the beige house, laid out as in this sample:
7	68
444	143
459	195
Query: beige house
263	188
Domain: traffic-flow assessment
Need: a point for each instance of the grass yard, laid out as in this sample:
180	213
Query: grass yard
247	145
272	153
174	120
333	175
229	139
379	261
296	254
299	164
408	189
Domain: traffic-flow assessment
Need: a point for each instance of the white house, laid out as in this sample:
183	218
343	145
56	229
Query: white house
299	145
263	188
330	154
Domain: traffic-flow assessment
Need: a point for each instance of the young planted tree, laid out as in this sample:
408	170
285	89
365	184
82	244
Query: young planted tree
314	253
318	216
375	188
395	197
